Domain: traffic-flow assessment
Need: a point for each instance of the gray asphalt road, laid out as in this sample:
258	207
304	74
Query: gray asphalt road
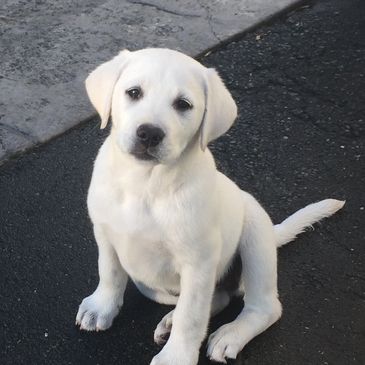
300	137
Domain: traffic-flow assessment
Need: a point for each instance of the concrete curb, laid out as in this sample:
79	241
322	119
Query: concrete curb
49	48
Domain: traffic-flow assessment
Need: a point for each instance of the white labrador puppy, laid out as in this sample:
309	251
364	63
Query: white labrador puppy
165	217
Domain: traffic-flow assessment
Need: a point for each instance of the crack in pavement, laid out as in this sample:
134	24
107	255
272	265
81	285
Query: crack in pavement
160	8
2	144
18	131
209	19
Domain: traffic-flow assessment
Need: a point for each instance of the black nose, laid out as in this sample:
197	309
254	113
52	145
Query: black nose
149	135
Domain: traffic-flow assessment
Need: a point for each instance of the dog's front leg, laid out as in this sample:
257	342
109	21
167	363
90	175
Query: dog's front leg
191	315
259	276
98	310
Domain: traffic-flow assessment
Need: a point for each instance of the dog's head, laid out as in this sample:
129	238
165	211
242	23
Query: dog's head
161	101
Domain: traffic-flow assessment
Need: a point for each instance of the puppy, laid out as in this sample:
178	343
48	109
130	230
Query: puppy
166	218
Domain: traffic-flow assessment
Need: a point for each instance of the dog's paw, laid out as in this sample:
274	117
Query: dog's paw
97	311
163	329
225	343
176	355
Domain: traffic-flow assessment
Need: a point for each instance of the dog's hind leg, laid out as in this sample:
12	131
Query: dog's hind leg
259	274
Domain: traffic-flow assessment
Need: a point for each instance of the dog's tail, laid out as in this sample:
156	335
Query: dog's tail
287	230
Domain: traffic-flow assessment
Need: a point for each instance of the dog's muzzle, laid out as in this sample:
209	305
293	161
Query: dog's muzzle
148	137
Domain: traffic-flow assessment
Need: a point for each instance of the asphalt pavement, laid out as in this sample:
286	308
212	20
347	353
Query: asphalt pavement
300	87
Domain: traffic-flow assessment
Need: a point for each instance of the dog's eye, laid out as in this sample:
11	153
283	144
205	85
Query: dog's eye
182	104
134	93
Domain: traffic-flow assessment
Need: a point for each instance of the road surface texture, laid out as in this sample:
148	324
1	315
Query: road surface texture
300	87
48	48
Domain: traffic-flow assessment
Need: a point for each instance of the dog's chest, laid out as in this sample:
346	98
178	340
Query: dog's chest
129	215
133	226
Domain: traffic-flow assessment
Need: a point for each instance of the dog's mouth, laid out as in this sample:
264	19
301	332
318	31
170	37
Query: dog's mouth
144	154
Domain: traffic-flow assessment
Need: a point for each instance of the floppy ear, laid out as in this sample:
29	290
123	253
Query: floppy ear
220	109
101	82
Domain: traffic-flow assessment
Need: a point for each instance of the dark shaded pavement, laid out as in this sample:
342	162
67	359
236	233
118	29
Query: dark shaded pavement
300	137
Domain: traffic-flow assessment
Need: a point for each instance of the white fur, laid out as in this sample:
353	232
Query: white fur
287	230
173	224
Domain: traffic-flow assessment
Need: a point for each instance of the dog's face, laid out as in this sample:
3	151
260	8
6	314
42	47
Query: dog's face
161	101
157	107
